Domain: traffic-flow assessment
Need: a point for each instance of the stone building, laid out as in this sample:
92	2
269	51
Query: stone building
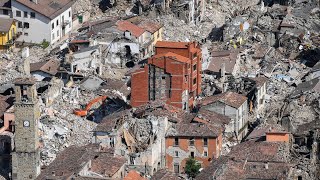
233	105
173	73
26	158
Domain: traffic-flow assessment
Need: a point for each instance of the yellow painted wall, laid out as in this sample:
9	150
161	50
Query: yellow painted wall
4	38
155	36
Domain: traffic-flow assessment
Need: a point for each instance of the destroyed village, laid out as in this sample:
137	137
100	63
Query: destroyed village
159	89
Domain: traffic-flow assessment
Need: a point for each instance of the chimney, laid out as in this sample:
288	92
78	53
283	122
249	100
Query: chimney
34	1
266	165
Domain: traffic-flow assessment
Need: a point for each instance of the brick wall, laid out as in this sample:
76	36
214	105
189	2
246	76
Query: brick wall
182	75
139	87
277	137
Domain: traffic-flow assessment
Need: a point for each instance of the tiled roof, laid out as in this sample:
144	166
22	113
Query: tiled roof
70	161
228	60
107	164
230	98
173	56
150	26
164	174
193	130
134	175
50	67
212	119
128	26
169	44
5	24
48	8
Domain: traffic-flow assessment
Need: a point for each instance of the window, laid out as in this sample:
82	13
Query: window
194	55
176	141
176	168
194	81
205	141
33	15
52	25
176	153
52	35
19	24
192	154
26	25
18	13
158	35
205	154
191	141
25	14
5	12
26	34
57	22
69	13
195	67
58	33
186	78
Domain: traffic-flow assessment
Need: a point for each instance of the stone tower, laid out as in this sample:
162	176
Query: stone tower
26	157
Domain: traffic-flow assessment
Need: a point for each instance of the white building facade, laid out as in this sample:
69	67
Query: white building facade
35	27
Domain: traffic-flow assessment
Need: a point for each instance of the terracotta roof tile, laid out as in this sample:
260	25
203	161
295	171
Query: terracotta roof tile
128	26
150	26
169	44
134	175
173	56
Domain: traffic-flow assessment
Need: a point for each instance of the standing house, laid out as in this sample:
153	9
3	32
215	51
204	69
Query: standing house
197	140
5	9
173	73
7	32
40	20
261	91
233	105
136	34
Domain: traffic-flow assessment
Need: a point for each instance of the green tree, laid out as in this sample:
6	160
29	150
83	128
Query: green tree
44	44
192	167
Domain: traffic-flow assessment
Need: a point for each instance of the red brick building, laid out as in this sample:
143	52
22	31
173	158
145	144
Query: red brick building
173	74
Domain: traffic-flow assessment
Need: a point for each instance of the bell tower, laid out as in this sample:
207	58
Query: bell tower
26	157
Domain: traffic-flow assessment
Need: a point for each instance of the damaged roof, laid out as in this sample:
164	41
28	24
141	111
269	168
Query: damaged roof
172	56
171	44
48	8
5	24
5	103
308	86
25	81
260	80
51	66
112	121
128	26
150	26
228	58
212	119
229	98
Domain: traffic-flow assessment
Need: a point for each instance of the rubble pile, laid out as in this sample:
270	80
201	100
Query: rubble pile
61	128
